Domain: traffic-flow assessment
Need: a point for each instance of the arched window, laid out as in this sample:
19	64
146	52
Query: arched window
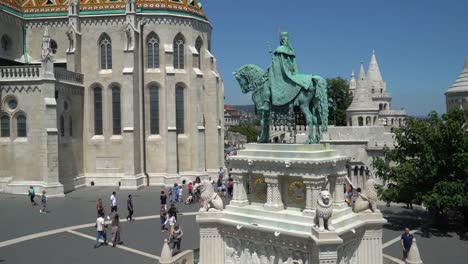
350	122
361	171
372	90
70	126
116	113
98	111
53	46
399	122
368	121
392	121
180	109
198	46
356	170
62	126
361	121
154	110
106	52
179	52
5	126
21	130
153	51
375	120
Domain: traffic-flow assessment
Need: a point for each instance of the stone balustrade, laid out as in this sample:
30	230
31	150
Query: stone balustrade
381	96
392	113
25	73
68	76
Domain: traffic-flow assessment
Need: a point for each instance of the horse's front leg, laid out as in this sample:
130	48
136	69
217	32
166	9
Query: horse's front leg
308	115
263	124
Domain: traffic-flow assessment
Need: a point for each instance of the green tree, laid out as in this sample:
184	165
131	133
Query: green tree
338	94
429	164
250	130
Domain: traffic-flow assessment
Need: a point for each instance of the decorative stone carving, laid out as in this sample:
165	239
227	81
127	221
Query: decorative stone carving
129	32
71	38
324	211
210	198
367	200
244	251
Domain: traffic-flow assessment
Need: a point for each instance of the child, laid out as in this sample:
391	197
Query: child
32	194
43	203
180	194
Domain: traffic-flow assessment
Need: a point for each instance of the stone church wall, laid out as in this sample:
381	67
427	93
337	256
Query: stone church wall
10	26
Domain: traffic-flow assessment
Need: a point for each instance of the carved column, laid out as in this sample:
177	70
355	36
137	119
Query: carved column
313	188
370	248
338	197
240	192
274	201
211	245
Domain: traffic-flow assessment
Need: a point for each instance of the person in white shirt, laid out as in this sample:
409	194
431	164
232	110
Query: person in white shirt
180	194
113	205
171	220
101	230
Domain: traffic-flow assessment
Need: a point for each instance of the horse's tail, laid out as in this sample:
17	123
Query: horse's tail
321	98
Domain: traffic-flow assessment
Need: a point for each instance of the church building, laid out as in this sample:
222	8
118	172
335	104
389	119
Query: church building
107	93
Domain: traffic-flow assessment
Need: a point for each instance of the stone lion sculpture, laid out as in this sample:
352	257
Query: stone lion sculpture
324	212
367	200
210	198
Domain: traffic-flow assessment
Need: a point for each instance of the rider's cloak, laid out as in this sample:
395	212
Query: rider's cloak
284	77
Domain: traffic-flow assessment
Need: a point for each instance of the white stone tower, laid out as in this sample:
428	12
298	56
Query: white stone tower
457	94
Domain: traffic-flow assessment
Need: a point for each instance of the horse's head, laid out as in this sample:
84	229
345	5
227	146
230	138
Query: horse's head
249	77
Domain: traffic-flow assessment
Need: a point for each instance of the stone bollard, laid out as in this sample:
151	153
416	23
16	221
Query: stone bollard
166	254
413	254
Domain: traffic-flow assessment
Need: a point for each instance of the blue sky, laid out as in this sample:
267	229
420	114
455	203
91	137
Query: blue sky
420	44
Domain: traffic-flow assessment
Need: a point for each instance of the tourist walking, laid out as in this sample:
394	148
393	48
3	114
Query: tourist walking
171	220
175	193
223	188
406	242
221	173
113	199
173	211
229	186
190	188
163	199
163	218
115	231
43	203
176	236
219	186
32	194
180	194
100	207
101	230
130	208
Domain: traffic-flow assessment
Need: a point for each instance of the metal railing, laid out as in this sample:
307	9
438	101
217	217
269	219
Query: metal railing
392	112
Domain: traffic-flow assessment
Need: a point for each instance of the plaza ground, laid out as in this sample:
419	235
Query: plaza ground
67	233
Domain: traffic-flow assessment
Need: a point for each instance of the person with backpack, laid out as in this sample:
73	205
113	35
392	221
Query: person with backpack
32	194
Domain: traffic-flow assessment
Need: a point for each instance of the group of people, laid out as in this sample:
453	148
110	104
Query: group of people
101	225
223	186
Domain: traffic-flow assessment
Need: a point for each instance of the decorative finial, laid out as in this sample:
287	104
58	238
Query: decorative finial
352	73
373	51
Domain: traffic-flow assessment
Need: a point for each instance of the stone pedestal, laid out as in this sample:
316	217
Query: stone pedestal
280	228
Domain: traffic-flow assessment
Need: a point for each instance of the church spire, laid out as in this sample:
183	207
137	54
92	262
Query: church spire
373	73
362	72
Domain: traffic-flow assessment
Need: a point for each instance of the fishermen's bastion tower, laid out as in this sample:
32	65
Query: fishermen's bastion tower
121	93
457	94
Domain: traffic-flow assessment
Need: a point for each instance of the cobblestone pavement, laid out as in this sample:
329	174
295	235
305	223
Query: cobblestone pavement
66	234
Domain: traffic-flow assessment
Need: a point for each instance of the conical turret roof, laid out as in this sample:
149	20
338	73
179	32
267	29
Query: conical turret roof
373	73
461	84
